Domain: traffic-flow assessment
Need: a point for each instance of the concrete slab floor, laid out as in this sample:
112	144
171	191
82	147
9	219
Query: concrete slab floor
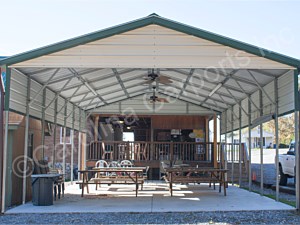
154	197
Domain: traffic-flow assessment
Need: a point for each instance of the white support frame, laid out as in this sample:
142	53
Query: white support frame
72	145
43	124
5	150
79	146
232	149
276	137
26	140
250	146
261	146
64	139
54	134
240	146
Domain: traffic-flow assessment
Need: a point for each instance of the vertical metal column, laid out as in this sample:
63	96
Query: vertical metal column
26	140
297	150
79	145
225	149
297	157
5	144
54	135
261	146
250	145
215	142
43	123
240	146
64	138
85	144
276	137
232	148
4	161
72	145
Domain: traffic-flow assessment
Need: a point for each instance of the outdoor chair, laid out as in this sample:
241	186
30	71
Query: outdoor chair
100	164
126	163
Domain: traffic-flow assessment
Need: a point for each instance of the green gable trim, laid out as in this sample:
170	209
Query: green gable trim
152	19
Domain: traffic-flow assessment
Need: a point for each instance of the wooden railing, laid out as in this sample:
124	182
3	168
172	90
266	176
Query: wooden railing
145	151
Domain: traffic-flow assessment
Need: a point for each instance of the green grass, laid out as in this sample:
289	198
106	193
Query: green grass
288	202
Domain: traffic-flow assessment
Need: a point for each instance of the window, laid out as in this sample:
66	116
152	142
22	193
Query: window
68	135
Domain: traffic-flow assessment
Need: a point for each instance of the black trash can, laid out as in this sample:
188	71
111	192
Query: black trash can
42	191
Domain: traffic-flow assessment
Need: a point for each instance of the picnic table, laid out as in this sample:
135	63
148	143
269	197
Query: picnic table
186	175
113	175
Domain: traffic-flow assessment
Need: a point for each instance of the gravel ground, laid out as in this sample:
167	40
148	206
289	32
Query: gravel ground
243	217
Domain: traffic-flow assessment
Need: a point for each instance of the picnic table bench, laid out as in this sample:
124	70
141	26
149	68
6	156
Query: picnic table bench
113	175
179	175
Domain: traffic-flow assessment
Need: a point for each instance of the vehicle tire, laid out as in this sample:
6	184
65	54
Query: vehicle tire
283	177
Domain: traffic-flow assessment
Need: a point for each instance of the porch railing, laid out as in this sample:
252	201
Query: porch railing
145	151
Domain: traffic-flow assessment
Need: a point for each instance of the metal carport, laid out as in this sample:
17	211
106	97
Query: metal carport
102	72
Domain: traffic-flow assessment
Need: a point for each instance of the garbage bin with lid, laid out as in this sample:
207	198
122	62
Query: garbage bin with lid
42	189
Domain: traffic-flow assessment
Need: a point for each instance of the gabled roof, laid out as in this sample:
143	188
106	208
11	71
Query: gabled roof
151	19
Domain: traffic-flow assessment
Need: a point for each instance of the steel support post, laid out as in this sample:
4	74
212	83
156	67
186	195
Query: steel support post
297	158
225	149
277	138
5	147
5	144
232	148
54	135
64	140
26	140
240	146
79	145
261	146
72	145
43	124
85	142
249	146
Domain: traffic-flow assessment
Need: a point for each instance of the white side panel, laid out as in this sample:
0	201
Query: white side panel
36	106
236	116
223	123
286	95
139	105
244	115
255	113
61	110
18	92
152	46
268	106
49	113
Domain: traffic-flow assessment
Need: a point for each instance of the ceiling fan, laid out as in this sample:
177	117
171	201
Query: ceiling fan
151	77
154	98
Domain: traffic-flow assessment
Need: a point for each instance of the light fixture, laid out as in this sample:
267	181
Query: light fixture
215	89
121	121
128	128
90	88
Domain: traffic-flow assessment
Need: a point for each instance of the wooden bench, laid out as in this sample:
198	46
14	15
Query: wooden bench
186	175
133	175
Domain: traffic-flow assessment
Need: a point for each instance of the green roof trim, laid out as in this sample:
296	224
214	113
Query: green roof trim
152	19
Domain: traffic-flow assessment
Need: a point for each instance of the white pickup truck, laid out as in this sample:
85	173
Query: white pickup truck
287	164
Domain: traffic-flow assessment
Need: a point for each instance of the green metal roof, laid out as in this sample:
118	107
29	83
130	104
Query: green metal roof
151	19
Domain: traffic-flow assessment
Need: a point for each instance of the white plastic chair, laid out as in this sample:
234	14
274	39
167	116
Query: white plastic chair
126	163
100	164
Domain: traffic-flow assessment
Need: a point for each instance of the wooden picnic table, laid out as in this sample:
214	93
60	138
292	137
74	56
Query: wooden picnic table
122	175
195	175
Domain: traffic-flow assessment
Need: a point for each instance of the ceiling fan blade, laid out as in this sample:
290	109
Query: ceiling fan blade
162	100
164	80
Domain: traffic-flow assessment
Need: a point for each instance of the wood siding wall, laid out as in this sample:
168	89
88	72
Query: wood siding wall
17	147
178	122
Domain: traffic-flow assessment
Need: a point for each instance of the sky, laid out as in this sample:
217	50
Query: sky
29	24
